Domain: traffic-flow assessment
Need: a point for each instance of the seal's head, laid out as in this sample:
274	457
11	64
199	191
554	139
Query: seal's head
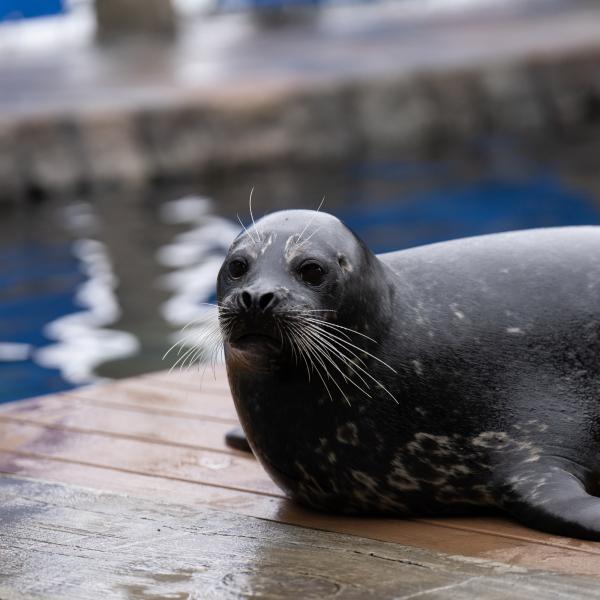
289	275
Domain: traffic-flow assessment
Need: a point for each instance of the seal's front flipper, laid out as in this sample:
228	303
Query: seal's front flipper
236	438
549	497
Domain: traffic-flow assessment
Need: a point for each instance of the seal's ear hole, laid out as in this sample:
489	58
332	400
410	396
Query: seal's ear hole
344	263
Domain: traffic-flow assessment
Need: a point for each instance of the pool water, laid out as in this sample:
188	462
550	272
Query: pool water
99	287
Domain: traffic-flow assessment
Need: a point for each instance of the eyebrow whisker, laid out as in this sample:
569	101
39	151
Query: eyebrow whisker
252	216
309	223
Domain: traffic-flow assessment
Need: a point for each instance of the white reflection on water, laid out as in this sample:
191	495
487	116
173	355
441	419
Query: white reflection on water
13	352
195	256
83	342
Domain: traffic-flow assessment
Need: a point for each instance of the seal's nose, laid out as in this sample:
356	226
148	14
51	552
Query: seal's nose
258	300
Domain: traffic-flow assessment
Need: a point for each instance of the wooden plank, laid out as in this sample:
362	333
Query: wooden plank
69	542
214	442
61	424
73	416
63	413
431	536
173	462
162	400
197	379
69	413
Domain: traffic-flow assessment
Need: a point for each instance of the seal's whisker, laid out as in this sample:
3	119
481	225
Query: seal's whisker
180	342
309	310
217	304
324	344
335	339
177	343
341	337
329	337
208	353
308	360
313	233
217	349
206	342
210	320
311	220
285	336
319	354
182	360
336	326
297	342
367	374
324	323
325	353
252	216
335	333
222	311
244	228
314	355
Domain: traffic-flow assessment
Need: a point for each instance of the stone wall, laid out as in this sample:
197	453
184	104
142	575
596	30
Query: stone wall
546	99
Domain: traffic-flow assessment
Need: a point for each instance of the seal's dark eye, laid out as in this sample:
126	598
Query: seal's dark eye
237	268
312	273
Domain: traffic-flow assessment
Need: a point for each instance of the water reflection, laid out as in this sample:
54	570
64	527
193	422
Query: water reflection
102	288
195	257
82	339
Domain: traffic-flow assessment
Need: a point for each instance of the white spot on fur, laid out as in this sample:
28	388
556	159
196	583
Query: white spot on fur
345	264
400	478
457	313
514	330
418	367
267	243
347	434
365	479
292	247
441	445
491	439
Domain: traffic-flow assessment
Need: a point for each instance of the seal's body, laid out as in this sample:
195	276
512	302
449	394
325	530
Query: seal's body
426	381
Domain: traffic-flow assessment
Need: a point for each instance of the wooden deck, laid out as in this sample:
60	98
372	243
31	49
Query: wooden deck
128	490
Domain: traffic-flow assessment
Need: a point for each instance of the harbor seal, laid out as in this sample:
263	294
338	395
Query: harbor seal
427	381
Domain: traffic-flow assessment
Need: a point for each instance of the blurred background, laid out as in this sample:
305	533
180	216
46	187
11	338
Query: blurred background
132	131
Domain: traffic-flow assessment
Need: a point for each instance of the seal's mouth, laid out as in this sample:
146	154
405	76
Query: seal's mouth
251	340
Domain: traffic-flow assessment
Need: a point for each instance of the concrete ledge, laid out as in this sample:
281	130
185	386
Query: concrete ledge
303	117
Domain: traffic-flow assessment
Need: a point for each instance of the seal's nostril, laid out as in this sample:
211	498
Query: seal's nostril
266	300
246	300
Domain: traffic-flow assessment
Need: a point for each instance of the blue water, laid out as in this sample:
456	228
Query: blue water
486	206
28	9
41	281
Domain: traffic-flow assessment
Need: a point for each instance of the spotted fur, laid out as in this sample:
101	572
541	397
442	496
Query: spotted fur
436	380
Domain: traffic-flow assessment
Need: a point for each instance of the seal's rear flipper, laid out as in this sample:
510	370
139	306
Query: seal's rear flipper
549	497
236	438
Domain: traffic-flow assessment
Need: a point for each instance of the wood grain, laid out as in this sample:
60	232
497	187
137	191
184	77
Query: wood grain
83	415
165	400
65	542
434	535
161	436
238	472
